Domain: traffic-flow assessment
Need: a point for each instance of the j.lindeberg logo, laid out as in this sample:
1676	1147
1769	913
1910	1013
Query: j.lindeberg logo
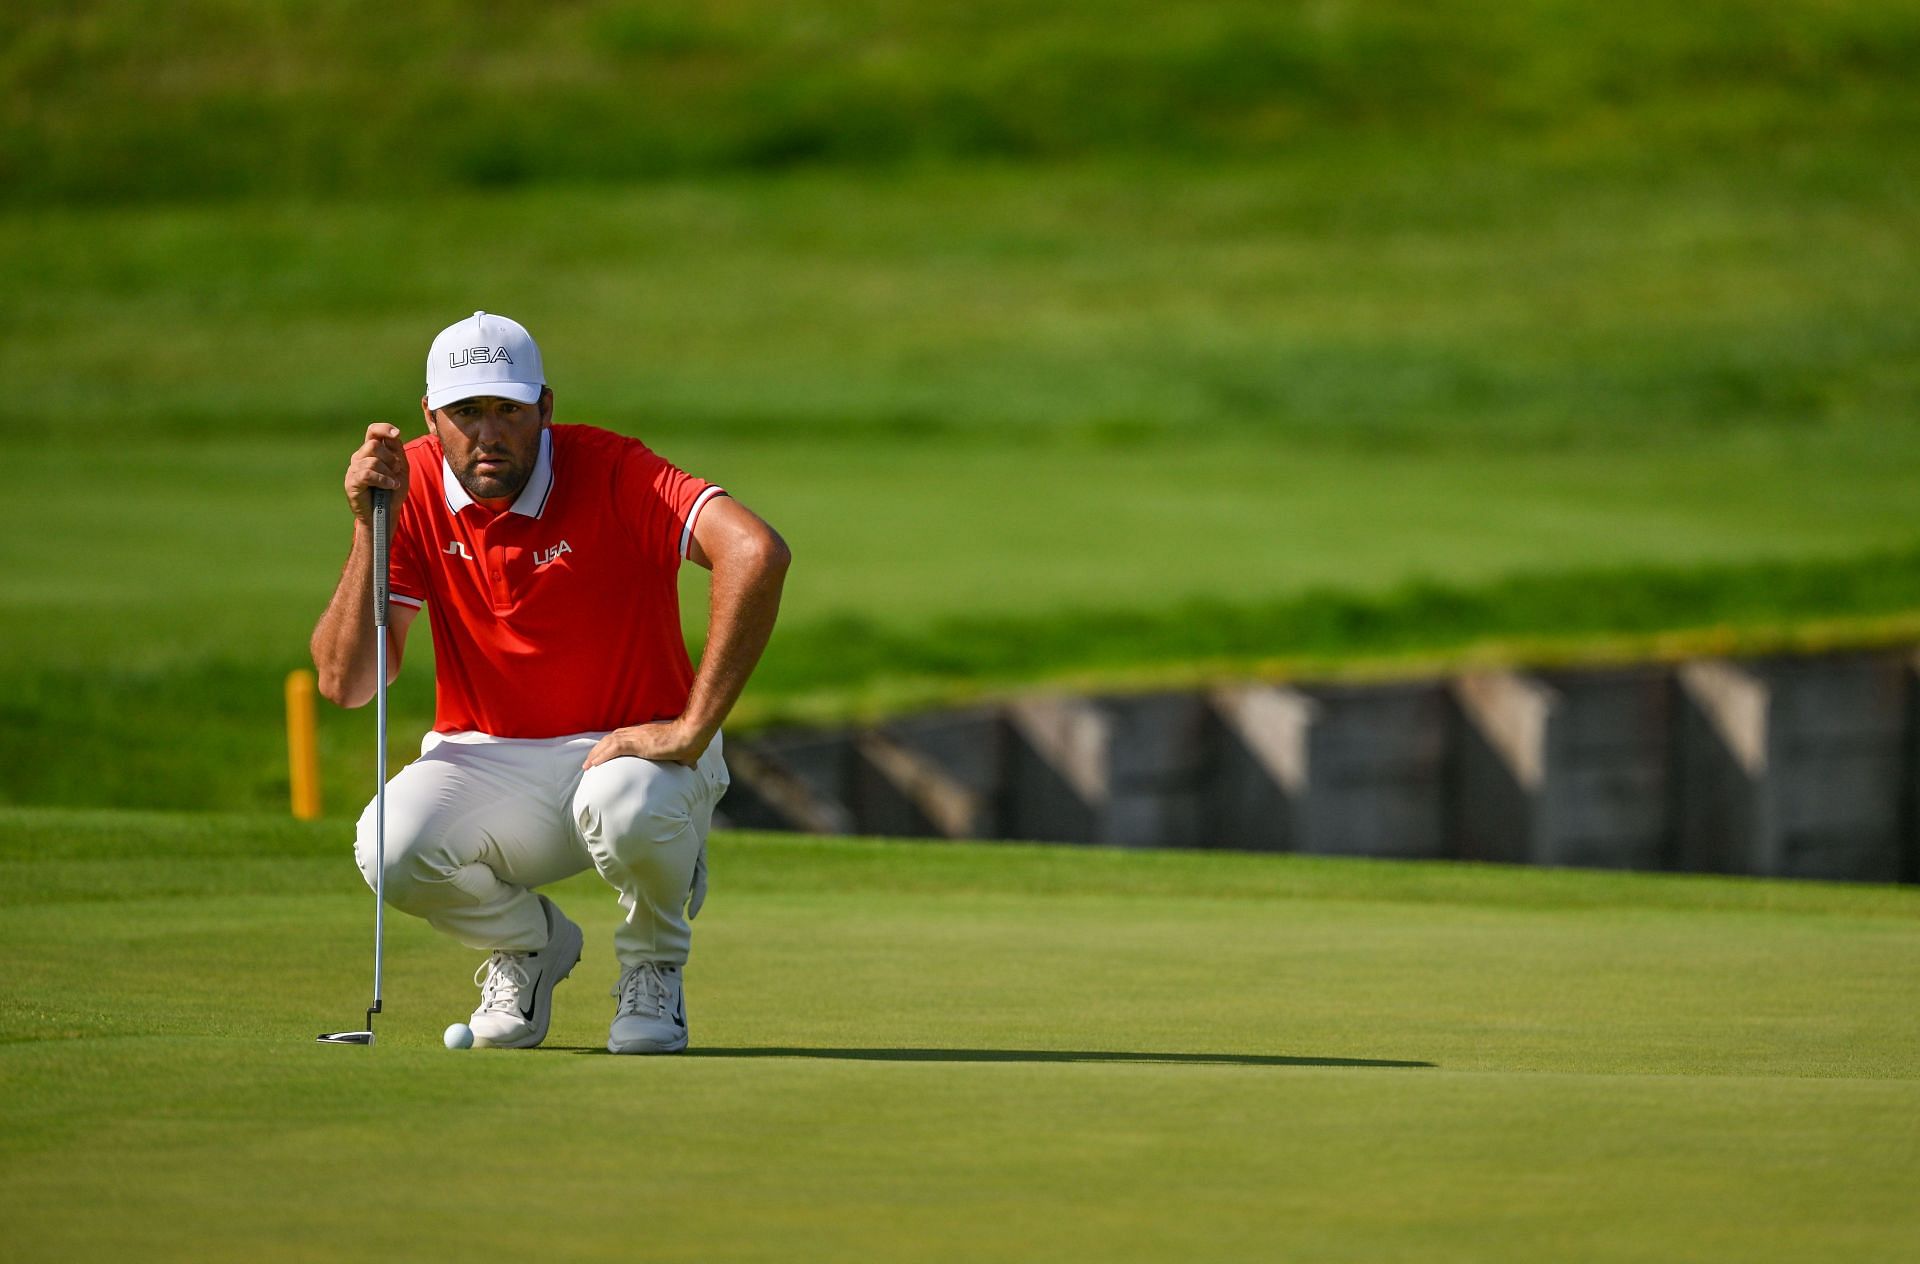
544	556
478	355
458	548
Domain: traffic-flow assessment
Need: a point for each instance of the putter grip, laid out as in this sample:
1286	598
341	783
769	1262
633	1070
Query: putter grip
382	540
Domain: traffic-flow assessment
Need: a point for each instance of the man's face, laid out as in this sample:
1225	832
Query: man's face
491	443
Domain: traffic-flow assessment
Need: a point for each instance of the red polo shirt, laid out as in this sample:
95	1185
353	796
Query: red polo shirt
559	614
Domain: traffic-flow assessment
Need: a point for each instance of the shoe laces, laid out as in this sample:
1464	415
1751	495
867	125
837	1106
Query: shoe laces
505	975
643	990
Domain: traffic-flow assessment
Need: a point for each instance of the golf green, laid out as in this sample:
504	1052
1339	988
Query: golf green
917	1051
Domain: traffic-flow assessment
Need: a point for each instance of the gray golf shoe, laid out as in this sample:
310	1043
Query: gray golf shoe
516	988
652	1012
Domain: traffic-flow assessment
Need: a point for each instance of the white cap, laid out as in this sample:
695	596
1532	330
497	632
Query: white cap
484	355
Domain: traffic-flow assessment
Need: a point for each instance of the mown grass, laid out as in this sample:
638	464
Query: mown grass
956	1051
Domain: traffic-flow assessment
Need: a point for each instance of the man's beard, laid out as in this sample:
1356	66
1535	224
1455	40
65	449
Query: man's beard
502	486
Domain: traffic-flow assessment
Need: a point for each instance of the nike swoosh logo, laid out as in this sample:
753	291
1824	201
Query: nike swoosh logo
526	1012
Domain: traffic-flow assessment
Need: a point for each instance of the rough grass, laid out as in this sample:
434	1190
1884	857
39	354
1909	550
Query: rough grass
951	1052
144	100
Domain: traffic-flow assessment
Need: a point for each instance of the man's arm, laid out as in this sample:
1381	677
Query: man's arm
749	562
342	645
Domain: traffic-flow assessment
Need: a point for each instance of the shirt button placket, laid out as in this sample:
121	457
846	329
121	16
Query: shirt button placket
497	577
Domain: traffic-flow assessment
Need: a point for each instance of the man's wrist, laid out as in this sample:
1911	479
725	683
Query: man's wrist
696	733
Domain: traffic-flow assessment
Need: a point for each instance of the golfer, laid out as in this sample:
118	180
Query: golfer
570	730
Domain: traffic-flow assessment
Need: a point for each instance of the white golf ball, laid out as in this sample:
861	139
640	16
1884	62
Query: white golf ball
459	1036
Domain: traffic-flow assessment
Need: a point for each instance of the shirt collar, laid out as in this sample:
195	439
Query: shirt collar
532	500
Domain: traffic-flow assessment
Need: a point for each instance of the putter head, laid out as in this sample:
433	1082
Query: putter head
345	1038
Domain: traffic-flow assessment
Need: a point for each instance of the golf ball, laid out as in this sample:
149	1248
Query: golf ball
459	1036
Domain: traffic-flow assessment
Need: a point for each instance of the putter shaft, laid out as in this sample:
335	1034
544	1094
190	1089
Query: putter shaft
382	537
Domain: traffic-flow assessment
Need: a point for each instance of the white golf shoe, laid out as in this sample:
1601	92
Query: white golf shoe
652	1014
516	988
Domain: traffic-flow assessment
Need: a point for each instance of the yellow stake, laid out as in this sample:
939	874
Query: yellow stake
303	747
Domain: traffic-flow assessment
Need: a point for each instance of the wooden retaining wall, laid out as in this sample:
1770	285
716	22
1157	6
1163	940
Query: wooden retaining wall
1793	767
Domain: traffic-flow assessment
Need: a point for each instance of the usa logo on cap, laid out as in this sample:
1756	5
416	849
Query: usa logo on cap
484	355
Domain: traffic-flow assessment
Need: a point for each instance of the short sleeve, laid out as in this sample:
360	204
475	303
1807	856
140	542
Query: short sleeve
660	502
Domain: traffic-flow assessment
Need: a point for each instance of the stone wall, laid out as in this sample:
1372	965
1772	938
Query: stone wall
1797	767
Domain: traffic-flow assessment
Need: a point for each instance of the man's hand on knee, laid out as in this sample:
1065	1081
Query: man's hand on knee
666	741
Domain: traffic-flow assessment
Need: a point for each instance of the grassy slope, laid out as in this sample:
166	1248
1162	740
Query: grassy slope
141	99
1370	294
951	1052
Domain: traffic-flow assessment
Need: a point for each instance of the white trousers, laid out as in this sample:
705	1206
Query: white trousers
477	822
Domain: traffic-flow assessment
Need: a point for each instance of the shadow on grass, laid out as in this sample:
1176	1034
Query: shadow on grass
1022	1055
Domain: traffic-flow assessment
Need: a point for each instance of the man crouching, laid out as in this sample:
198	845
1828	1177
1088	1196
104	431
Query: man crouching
570	729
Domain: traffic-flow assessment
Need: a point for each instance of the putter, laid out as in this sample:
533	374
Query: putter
382	535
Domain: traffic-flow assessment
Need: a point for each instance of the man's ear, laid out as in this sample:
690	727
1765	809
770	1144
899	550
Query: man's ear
546	406
426	414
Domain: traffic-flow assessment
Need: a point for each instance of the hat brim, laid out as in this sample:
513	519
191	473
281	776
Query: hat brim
518	392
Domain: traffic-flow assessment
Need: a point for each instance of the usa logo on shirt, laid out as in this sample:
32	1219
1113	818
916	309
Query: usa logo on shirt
544	556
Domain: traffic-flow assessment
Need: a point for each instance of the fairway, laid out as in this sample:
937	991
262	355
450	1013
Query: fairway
963	1052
